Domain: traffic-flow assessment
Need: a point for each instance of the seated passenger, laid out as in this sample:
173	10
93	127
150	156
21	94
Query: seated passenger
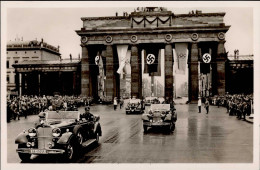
87	115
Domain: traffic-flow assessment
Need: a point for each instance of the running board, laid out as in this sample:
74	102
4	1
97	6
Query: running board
88	142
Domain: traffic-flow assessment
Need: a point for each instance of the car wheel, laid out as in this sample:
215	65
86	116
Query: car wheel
69	154
79	137
145	128
25	157
172	127
97	137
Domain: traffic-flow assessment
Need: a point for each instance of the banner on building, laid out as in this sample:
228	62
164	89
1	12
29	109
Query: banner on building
152	61
127	68
122	57
205	60
101	81
180	54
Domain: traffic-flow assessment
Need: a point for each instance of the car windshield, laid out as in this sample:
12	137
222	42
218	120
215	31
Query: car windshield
150	98
135	101
160	107
62	115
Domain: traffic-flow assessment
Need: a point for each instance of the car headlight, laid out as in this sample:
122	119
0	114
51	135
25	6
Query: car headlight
56	132
32	132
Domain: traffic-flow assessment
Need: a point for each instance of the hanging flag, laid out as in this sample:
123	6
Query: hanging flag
103	56
122	56
127	67
181	53
101	81
151	60
205	61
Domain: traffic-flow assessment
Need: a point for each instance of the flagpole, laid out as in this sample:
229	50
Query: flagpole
199	73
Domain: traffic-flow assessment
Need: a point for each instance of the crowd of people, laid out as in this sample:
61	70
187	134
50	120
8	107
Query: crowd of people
29	105
239	105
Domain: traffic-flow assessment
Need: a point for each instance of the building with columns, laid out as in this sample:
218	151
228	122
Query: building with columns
202	32
36	68
19	51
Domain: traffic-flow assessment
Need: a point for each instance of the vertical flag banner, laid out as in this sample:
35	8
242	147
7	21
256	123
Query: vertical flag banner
96	67
103	56
152	60
101	81
122	55
127	67
181	53
205	61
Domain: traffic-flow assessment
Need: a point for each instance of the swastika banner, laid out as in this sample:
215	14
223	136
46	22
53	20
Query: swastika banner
205	60
152	60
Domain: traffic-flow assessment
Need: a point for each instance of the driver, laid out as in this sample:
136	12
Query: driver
169	101
87	115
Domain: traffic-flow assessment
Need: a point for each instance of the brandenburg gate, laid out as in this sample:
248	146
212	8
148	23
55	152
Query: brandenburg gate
147	28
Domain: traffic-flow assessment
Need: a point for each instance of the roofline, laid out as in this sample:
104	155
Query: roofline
161	13
154	30
16	65
32	48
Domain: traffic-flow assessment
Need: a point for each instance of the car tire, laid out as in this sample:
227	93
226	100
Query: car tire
25	157
145	128
79	138
97	137
172	127
69	154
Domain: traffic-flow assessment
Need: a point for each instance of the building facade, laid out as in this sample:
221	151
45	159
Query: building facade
19	51
240	74
36	68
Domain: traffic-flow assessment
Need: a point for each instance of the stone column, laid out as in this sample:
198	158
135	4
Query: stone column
20	83
85	72
23	83
168	71
221	60
74	83
136	84
109	73
194	72
39	83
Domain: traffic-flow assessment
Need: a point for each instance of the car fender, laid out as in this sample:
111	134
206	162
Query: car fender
22	138
76	128
145	117
65	138
168	117
97	128
175	116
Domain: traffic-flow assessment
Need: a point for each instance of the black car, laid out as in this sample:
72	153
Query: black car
160	115
60	133
134	106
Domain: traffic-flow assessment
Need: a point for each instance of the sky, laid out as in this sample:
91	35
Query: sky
57	25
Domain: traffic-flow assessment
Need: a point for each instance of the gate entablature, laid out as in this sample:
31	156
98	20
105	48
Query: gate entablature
144	26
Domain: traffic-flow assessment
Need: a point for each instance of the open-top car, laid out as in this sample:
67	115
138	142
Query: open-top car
134	106
151	100
58	132
160	115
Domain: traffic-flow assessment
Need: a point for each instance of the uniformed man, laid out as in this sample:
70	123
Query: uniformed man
87	115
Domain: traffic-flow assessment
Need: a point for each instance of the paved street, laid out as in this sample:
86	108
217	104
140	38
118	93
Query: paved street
198	138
